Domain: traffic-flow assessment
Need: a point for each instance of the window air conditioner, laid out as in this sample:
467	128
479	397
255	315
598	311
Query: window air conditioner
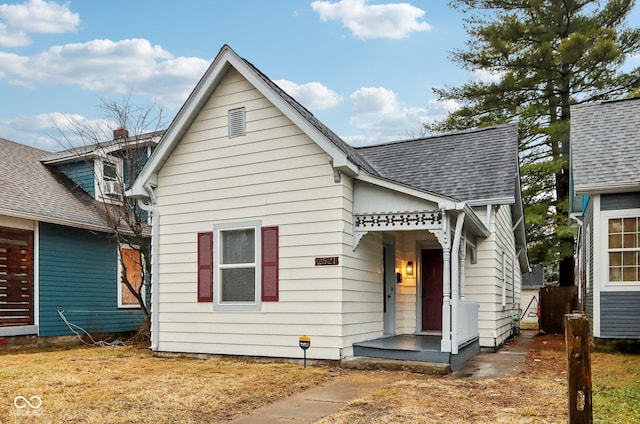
111	188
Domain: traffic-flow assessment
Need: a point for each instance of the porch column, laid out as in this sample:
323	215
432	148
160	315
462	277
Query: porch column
455	281
445	344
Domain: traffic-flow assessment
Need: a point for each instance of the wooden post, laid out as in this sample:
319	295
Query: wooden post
578	368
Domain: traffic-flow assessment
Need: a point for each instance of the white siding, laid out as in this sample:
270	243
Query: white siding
277	175
484	280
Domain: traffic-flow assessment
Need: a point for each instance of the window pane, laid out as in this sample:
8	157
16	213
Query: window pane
238	246
615	241
629	273
109	172
238	285
615	274
629	258
629	225
615	259
615	226
629	240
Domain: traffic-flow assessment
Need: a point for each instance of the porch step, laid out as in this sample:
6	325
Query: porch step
415	348
362	363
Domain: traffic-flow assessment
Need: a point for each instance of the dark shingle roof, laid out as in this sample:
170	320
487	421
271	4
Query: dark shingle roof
473	165
605	145
31	189
347	149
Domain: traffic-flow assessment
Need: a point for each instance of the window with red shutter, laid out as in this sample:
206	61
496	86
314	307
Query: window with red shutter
205	267
269	264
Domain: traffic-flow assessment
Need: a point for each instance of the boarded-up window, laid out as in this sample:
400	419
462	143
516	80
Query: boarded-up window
16	277
131	260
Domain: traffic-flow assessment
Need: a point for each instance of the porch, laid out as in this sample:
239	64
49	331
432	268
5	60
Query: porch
419	348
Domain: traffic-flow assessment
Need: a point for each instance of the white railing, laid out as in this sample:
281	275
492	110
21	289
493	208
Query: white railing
467	321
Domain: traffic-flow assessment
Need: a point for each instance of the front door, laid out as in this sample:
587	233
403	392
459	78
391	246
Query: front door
389	290
431	290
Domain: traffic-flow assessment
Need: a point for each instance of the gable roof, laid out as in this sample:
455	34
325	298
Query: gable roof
344	158
477	165
487	158
605	146
32	190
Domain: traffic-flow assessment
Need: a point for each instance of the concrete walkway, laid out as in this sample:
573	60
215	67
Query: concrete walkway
509	360
313	404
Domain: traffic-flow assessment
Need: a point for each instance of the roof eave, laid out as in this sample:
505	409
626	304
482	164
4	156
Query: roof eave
54	220
605	188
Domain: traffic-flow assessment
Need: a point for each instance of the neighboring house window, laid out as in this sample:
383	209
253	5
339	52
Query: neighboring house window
237	122
624	250
131	258
109	178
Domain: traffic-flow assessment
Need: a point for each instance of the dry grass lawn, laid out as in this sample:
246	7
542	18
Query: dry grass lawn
129	385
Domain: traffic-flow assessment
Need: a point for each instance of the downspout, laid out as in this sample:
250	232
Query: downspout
455	281
155	226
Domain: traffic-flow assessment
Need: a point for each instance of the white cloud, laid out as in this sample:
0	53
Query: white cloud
34	16
379	116
312	95
487	75
125	67
42	130
391	20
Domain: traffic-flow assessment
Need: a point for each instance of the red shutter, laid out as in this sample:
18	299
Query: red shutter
269	264
205	267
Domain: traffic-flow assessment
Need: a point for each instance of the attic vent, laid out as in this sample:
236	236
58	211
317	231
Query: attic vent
237	122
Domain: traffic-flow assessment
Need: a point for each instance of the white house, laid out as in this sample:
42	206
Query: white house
267	226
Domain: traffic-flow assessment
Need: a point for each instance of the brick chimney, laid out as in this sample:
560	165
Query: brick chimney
119	133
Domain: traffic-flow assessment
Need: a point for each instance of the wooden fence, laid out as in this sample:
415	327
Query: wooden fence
555	302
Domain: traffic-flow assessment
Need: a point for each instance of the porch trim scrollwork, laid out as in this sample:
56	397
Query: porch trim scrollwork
397	221
431	221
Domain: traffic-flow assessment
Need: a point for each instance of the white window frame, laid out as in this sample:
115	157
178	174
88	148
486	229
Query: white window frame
604	271
121	285
99	179
218	304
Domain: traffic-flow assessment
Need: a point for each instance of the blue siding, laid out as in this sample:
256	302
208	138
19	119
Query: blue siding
81	173
619	317
78	274
612	202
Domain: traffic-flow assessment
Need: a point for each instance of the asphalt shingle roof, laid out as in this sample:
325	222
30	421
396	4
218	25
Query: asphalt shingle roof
472	165
30	188
347	149
605	144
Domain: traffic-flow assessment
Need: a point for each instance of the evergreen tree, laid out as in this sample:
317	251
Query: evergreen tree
543	55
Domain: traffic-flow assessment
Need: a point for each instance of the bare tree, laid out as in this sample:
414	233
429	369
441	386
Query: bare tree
121	145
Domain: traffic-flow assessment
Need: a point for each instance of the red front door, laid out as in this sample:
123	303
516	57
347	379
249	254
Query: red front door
431	290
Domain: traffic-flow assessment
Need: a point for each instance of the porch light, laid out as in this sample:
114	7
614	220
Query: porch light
409	269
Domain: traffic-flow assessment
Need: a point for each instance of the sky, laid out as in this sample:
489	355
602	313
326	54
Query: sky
365	68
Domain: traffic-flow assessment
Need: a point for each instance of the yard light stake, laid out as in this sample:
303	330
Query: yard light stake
305	343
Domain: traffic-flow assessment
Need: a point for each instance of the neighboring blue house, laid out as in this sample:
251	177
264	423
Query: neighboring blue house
605	159
57	252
